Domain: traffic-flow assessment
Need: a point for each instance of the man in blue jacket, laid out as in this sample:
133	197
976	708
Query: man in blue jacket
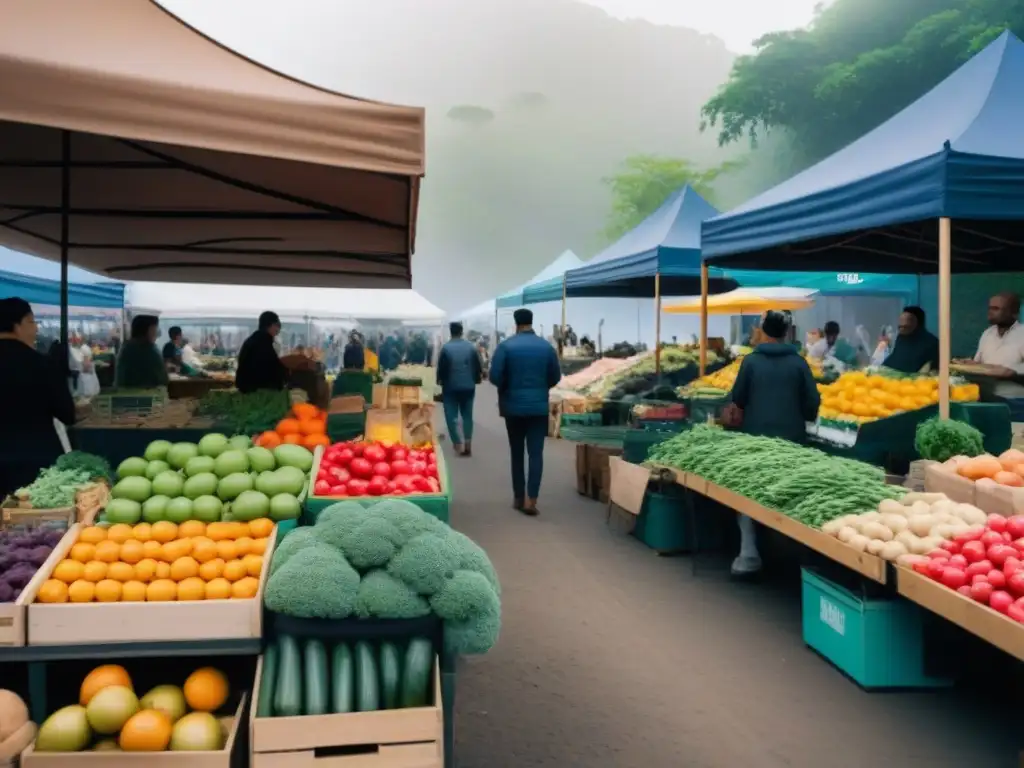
459	370
524	368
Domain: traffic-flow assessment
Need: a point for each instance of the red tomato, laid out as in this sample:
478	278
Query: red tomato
375	454
989	538
344	457
357	487
982	566
1015	526
1000	553
421	484
357	448
418	467
996	523
1000	601
401	453
1016	612
382	469
400	467
964	590
974	551
391	488
435	487
339	490
432	471
982	591
952	547
326	461
958	561
323	474
405	485
378	486
415	455
321	488
340	475
996	578
361	468
1016	583
953	578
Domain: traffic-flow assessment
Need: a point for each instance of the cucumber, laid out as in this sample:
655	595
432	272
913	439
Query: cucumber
419	663
266	704
367	687
288	693
343	686
390	672
316	678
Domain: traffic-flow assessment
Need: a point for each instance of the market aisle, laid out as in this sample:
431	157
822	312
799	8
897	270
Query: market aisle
611	656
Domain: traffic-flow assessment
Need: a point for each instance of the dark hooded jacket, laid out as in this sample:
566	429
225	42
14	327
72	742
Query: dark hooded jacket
777	393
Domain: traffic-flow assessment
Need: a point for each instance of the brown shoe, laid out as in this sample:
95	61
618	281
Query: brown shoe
517	504
530	508
467	449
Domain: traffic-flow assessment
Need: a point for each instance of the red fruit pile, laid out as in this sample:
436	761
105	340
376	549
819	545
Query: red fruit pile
985	563
376	469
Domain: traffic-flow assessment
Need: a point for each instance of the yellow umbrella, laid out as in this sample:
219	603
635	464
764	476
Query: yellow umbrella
746	302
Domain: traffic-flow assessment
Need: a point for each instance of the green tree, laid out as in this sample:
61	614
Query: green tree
644	182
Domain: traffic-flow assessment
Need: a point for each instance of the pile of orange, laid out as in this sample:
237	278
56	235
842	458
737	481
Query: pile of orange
861	398
161	562
306	425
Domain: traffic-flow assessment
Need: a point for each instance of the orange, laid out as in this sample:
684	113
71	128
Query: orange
184	568
243	545
204	550
142	532
175	549
133	592
206	690
253	564
145	569
146	731
120	572
227	549
95	571
245	588
268	440
218	531
53	591
162	591
303	411
192	588
235	570
218	589
211	569
312	441
103	676
108	551
132	551
83	552
239	529
163	571
261	527
108	591
152	549
287	427
293	438
312	427
164	531
94	534
81	591
119	533
68	571
259	546
191	528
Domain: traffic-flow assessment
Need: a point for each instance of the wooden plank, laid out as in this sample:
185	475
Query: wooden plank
991	626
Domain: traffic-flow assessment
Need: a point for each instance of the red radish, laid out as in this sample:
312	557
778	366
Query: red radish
974	551
1012	565
921	566
1015	526
951	546
958	561
1016	612
989	538
982	566
1000	601
996	578
996	523
971	534
954	578
939	554
1016	583
1000	553
982	591
964	590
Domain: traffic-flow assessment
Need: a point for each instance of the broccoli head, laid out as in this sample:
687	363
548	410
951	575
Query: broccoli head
425	562
316	583
295	541
473	558
385	597
410	520
341	515
477	634
464	595
369	544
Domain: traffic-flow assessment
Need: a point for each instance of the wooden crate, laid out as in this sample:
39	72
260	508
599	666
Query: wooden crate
88	623
391	738
219	759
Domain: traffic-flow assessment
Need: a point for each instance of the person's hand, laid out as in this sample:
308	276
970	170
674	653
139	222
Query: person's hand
1001	372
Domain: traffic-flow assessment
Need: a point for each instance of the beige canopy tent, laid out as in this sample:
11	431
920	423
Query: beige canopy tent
136	147
745	301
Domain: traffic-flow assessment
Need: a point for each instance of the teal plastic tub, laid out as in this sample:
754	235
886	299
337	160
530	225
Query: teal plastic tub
879	643
582	419
663	525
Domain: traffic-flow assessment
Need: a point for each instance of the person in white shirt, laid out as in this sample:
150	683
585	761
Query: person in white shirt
1001	351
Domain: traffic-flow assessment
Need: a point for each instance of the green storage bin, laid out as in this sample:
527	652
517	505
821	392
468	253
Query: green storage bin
342	427
663	524
637	443
704	409
581	420
353	383
879	643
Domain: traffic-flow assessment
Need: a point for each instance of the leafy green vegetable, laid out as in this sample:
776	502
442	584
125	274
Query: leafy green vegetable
80	461
245	414
941	439
54	488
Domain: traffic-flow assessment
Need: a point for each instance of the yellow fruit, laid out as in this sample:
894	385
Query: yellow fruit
145	570
261	527
191	528
163	571
204	550
192	588
245	588
243	545
218	531
108	551
108	591
53	591
206	690
68	571
235	570
132	551
238	529
121	572
218	589
211	569
162	591
95	571
142	532
133	592
83	552
94	534
81	591
104	676
259	546
152	549
253	565
164	531
184	568
227	550
119	533
174	549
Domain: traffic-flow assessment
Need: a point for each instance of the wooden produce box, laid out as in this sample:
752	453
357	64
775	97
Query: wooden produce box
597	469
957	488
114	759
582	473
391	738
134	622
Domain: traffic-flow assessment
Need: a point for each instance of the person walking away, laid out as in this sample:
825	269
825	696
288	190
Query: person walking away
33	393
1001	351
139	363
459	370
915	349
777	395
354	357
524	369
259	367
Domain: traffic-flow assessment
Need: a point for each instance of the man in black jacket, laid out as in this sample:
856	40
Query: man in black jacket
259	367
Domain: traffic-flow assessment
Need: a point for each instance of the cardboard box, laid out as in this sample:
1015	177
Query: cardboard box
347	404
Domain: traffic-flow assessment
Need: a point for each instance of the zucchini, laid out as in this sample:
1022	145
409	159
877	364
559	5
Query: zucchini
288	693
367	687
390	672
343	683
265	708
315	693
419	663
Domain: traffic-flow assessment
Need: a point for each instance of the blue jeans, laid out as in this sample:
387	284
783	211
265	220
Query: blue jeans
459	404
526	434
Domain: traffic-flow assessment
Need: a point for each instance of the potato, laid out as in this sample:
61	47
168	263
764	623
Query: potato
909	559
907	539
933	542
943	531
919	508
970	514
920	525
892	550
895	523
921	547
876	531
859	542
891	507
915	497
944	507
869	517
875	546
846	533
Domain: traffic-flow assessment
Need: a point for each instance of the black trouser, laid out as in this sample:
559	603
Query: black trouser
526	434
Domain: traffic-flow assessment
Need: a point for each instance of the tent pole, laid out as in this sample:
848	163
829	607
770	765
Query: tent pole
657	324
703	317
561	332
945	285
65	207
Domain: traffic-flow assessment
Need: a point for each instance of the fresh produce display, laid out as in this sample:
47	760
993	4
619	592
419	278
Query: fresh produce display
304	425
861	397
1006	469
659	412
714	385
941	439
311	677
983	562
678	366
245	414
23	550
376	469
805	484
217	479
16	730
110	716
54	488
389	561
161	562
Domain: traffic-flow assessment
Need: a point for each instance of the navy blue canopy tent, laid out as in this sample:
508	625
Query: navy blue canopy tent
36	290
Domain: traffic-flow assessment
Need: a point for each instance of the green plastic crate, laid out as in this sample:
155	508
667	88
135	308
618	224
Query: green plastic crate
663	525
879	643
581	419
342	427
